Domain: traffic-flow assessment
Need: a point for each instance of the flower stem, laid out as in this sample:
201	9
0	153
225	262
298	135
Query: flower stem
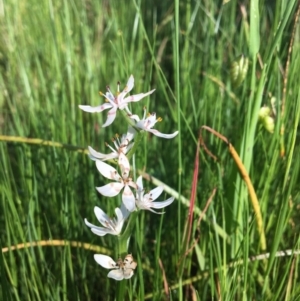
122	251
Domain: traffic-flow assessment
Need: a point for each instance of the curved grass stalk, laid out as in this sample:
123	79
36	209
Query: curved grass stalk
57	243
42	143
246	178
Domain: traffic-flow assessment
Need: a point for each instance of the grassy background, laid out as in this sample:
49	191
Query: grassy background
55	55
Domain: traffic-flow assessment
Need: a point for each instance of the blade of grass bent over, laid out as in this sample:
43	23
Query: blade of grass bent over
246	178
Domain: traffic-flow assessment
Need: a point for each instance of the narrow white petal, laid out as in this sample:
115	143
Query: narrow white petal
132	184
105	261
111	115
103	231
136	97
159	205
107	171
124	165
110	97
111	189
98	109
135	117
130	84
128	199
89	224
139	183
128	148
100	230
116	274
159	134
125	212
121	214
94	155
101	216
154	193
130	133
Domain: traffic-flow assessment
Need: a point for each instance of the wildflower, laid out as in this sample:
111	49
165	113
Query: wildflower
148	123
121	145
113	189
121	269
111	226
146	202
116	102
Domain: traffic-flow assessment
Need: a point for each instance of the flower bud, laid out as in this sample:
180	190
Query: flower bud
269	124
238	70
263	112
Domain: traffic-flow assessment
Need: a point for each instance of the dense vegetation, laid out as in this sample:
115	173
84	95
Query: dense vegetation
55	55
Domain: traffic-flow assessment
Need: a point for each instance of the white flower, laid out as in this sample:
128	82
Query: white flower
122	145
116	102
146	202
121	269
111	226
113	189
148	123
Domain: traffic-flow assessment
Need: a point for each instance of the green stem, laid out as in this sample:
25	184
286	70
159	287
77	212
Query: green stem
121	251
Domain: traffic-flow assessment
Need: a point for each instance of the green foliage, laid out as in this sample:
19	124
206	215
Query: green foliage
55	55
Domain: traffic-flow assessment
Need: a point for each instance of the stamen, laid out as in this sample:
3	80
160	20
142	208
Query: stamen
159	119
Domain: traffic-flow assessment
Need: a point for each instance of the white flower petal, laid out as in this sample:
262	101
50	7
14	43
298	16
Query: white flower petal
116	274
105	261
159	205
108	171
159	134
111	189
128	273
130	84
111	115
124	211
121	214
154	193
98	109
99	230
94	155
101	216
136	97
135	117
103	231
128	199
130	133
124	165
139	183
109	96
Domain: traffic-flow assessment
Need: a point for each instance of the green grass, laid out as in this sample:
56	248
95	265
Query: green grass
55	55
